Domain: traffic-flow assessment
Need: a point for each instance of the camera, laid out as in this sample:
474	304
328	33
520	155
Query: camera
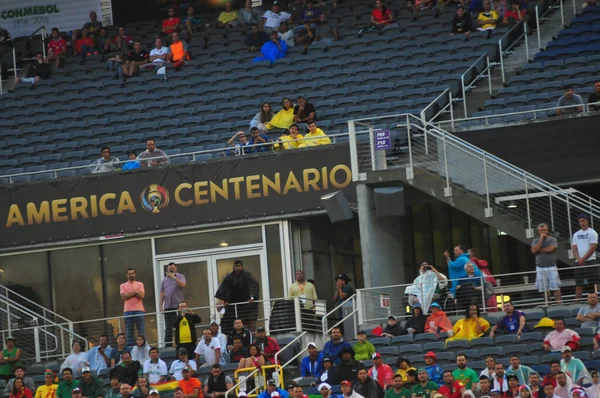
427	267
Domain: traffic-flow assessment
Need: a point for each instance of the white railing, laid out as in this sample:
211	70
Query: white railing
504	49
350	300
541	16
481	74
444	109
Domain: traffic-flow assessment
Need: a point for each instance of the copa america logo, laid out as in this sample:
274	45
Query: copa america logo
154	198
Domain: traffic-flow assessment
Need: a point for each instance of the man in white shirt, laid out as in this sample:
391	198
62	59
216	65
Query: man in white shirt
583	245
286	35
273	18
158	58
155	369
220	337
183	361
209	349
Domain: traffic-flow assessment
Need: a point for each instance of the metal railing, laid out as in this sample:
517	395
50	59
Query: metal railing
543	9
220	152
507	42
465	87
447	108
350	300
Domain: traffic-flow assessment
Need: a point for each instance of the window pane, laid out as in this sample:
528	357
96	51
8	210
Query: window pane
274	259
209	240
34	284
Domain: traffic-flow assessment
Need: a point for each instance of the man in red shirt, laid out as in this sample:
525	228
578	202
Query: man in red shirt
171	24
85	46
514	15
452	388
119	41
56	48
381	19
268	345
550	378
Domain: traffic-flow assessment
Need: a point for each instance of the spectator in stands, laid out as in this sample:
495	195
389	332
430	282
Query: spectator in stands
593	391
367	386
457	268
216	334
117	352
461	23
128	369
217	384
262	118
57	47
125	390
48	389
483	388
158	57
347	391
513	387
363	349
159	157
427	286
512	322
434	371
348	367
563	386
398	389
465	374
491	303
121	41
141	350
312	364
77	360
547	278
404	366
301	287
171	24
550	378
183	362
132	293
190	386
304	112
85	46
424	387
534	384
254	358
228	18
570	100
490	368
315	136
286	35
292	140
380	372
334	346
521	371
155	369
115	387
574	367
487	18
67	384
259	142
393	328
284	118
185	326
412	378
209	349
273	391
451	388
190	21
9	358
548	391
267	345
381	19
37	71
240	332
99	356
19	373
171	298
178	52
469	288
106	163
588	315
90	386
238	287
594	97
93	26
142	389
560	337
254	41
515	14
272	19
328	372
472	326
584	245
272	50
437	322
133	60
250	15
239	146
500	381
19	390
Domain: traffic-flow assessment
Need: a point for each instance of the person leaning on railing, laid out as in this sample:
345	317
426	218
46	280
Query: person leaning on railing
426	287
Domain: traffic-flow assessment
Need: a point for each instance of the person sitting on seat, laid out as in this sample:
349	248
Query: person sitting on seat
171	24
315	136
561	336
512	322
178	52
472	326
37	71
254	359
488	18
393	328
272	50
438	321
363	349
57	47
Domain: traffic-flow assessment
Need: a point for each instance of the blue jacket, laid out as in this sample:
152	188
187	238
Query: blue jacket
308	369
436	374
282	393
332	351
456	270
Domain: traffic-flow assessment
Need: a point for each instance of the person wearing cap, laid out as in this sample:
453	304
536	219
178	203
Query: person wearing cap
363	349
438	321
328	373
153	393
99	356
76	393
347	391
155	369
48	389
342	289
218	383
404	366
398	390
451	388
220	337
393	328
574	367
208	349
272	389
415	324
183	362
424	386
465	374
521	371
312	363
267	345
67	384
380	372
239	287
190	386
77	360
290	387
457	269
171	295
434	371
272	19
335	345
304	290
348	367
512	322
90	386
324	390
561	336
184	322
584	245
367	386
27	381
546	272
483	387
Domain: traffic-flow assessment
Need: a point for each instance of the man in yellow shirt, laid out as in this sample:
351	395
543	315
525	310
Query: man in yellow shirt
488	18
304	290
48	390
228	18
316	136
288	141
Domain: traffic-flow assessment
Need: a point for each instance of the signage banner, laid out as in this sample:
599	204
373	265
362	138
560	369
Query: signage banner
23	17
150	199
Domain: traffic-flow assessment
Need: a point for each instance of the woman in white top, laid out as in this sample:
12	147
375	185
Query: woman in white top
140	352
263	117
77	360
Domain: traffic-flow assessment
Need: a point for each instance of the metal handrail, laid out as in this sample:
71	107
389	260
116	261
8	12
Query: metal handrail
539	18
511	45
326	330
21	297
288	345
239	383
433	102
462	79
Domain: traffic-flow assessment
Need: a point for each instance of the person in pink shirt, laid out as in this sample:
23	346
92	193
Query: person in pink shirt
560	337
380	372
132	293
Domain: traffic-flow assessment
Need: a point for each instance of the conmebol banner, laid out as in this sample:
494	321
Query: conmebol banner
23	17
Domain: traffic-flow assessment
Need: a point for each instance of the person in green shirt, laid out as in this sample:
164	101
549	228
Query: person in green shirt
90	386
467	375
399	391
424	387
9	359
363	349
66	386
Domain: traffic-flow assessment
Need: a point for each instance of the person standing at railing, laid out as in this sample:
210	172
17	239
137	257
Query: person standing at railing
159	157
132	294
99	356
457	269
106	163
171	295
185	328
342	292
304	290
546	277
584	245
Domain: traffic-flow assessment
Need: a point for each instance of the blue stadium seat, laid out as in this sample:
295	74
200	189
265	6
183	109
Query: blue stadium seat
409	348
74	155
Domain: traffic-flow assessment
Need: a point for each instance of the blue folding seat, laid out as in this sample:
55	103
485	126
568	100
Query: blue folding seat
67	146
89	144
184	142
551	86
22	178
133	138
15	143
519	100
29	161
209	138
37	140
66	173
534	67
553	65
494	104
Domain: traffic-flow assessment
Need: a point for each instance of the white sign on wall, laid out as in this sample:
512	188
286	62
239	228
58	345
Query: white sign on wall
23	17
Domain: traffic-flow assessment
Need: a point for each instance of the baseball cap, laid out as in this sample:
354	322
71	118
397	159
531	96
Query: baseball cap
271	382
10	338
76	390
346	382
495	392
324	385
435	305
326	359
512	377
565	349
181	351
392	317
260	329
85	370
361	332
153	392
584	216
275	394
186	369
431	354
214	322
275	3
242	394
344	277
375	355
311	344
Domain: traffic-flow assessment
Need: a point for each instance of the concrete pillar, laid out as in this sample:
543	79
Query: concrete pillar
381	242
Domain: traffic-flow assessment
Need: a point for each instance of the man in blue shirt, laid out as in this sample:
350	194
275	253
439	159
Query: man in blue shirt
512	322
312	363
99	356
258	142
271	388
335	345
456	268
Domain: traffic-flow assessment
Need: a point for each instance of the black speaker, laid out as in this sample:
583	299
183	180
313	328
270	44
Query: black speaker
389	201
337	207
